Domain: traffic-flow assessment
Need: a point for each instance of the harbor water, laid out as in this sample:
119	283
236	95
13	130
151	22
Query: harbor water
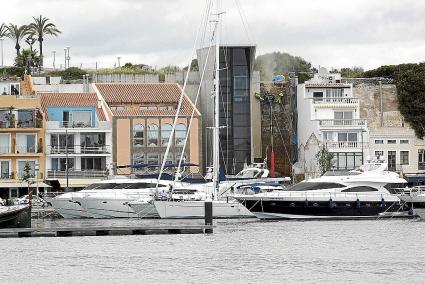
239	251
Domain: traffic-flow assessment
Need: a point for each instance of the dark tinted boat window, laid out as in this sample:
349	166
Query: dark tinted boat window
360	189
105	186
302	186
141	185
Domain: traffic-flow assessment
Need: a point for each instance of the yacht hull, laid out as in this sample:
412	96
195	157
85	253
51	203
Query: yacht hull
144	210
16	216
69	207
106	208
196	209
275	209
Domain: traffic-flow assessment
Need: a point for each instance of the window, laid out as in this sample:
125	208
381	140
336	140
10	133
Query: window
378	154
153	158
92	142
302	186
152	135
404	157
165	134
379	141
138	135
317	94
59	164
138	158
26	143
404	141
334	93
351	137
391	141
343	117
347	160
58	143
392	161
4	143
421	159
14	89
82	118
148	107
360	189
92	163
5	169
21	168
180	134
26	118
117	107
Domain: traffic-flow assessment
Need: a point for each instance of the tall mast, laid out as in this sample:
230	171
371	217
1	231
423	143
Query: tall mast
216	142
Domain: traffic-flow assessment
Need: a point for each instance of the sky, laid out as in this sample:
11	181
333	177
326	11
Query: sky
330	33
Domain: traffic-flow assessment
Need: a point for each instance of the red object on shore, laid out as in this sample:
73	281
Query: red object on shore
272	163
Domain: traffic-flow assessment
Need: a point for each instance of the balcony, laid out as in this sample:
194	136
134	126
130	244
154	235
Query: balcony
103	125
28	149
342	123
56	174
346	145
105	149
21	124
350	101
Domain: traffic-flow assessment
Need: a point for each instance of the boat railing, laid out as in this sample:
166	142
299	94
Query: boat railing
283	193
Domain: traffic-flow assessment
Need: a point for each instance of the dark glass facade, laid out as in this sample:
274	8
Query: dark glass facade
235	116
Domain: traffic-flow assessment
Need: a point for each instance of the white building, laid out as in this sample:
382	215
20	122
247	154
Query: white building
329	115
79	131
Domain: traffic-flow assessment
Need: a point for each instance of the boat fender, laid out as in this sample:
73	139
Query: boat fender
306	202
382	202
331	203
358	204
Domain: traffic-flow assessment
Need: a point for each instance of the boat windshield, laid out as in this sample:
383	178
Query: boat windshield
184	191
304	186
249	173
341	173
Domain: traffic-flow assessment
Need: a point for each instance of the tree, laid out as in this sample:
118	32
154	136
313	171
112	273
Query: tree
40	28
324	159
278	63
28	176
193	65
16	34
411	97
27	59
3	30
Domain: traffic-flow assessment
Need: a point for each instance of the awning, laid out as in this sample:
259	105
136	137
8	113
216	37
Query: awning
22	184
76	182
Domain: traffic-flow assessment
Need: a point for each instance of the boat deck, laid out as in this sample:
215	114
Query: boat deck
105	230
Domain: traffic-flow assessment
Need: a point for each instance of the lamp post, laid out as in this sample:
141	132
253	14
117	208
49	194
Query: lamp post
65	57
119	61
270	99
1	41
54	59
36	170
68	57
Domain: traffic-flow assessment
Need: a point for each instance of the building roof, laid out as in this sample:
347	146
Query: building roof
391	132
145	94
71	100
327	85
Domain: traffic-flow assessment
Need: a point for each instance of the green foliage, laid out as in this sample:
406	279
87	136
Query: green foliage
12	71
388	71
170	69
27	174
27	58
72	73
193	65
354	72
324	159
126	69
281	63
411	96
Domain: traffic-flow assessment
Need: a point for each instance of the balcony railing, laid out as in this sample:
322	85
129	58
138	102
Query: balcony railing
342	122
346	145
5	150
26	149
105	149
336	100
21	124
77	124
77	174
50	125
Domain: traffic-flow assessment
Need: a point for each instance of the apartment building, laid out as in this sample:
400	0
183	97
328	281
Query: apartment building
142	116
78	139
329	115
21	139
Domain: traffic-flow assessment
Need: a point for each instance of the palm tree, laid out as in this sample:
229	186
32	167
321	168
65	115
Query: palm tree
17	34
40	28
3	30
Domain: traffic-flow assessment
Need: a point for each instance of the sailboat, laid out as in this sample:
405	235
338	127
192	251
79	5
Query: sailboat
225	208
